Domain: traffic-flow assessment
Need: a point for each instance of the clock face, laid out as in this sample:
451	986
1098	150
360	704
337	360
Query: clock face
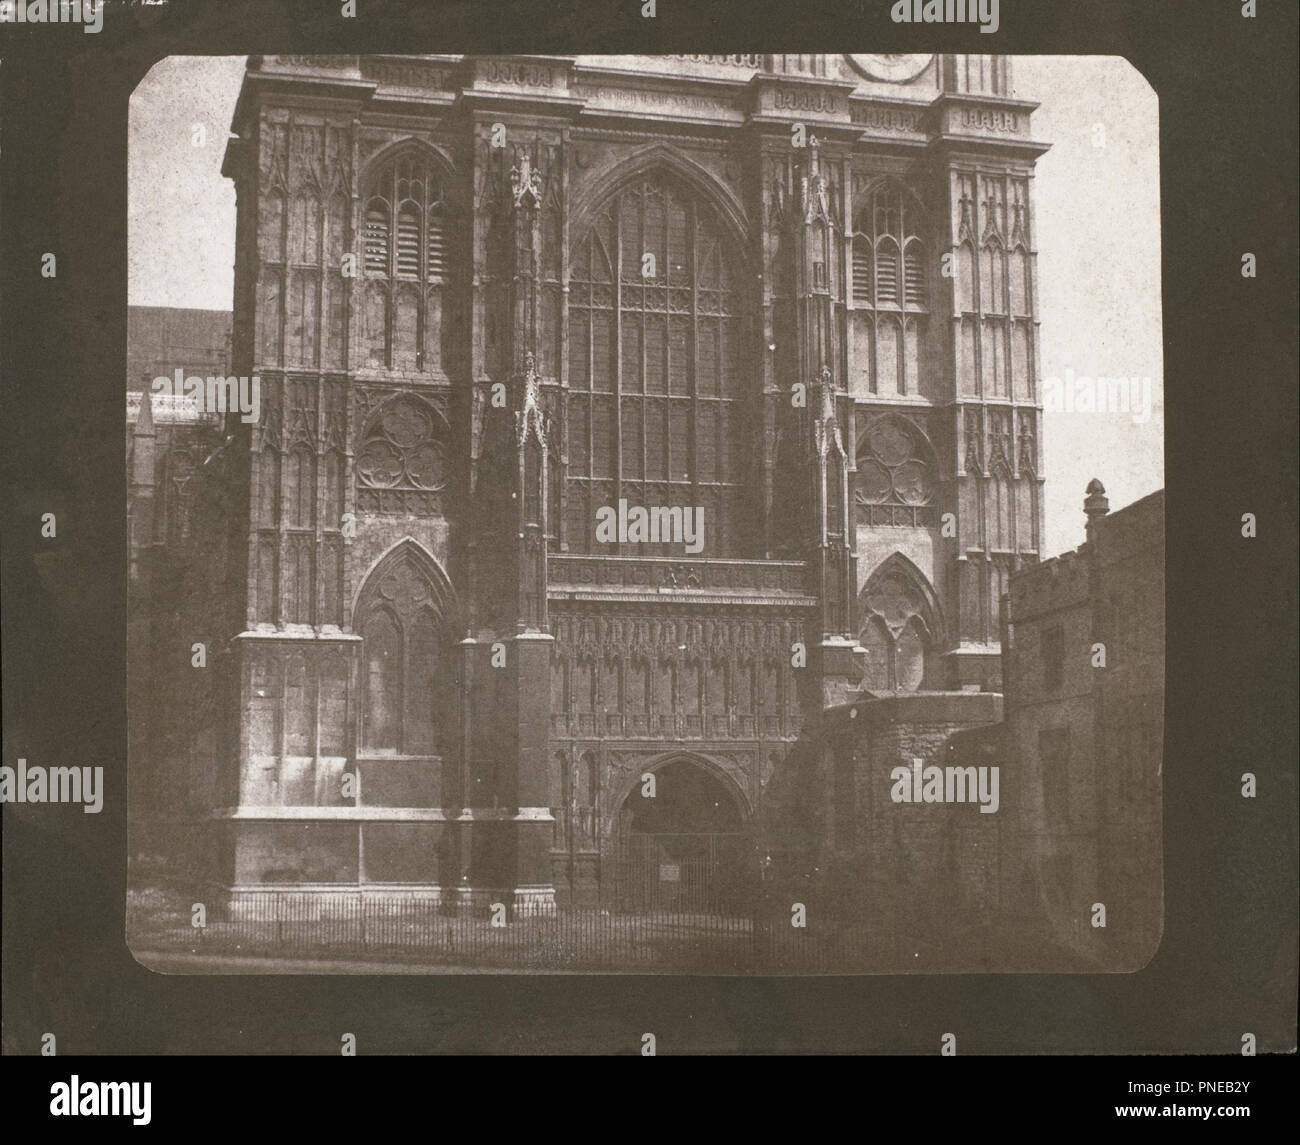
891	69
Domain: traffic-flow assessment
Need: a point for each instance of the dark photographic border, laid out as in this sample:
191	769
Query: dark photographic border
1227	964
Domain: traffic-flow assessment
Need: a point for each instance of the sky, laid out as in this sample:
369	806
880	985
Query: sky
1095	202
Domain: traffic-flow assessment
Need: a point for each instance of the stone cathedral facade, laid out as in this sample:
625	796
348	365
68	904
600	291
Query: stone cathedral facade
490	297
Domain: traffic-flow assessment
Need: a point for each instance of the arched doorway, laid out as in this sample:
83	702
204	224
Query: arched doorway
685	850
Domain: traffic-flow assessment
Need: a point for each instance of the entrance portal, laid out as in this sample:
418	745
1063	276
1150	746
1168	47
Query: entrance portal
687	850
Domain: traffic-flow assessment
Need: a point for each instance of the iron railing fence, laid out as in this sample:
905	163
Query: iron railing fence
683	934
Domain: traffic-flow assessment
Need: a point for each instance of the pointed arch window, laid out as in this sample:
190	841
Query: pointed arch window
656	366
891	294
410	189
404	256
405	692
889	252
897	628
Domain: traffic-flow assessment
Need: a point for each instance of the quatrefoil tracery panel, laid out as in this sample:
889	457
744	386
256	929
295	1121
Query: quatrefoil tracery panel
402	449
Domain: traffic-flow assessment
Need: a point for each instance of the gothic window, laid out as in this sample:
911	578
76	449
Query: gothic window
401	462
889	252
897	628
656	371
891	293
896	474
404	693
404	256
410	188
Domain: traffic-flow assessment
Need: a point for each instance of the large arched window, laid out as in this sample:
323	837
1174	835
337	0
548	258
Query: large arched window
401	618
656	368
404	256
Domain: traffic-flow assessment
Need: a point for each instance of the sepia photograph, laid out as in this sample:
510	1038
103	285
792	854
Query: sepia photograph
695	513
524	539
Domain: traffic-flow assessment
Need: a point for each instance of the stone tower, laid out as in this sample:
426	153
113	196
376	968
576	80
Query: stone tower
488	297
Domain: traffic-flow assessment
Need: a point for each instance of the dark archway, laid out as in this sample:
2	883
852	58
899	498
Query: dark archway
686	850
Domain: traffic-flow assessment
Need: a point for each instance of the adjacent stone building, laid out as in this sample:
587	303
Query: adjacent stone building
1084	680
168	441
488	298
